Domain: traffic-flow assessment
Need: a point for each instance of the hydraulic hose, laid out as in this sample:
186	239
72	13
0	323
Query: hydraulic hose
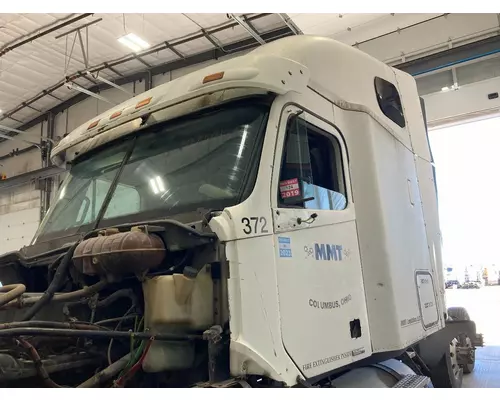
55	325
96	334
85	292
117	295
128	293
38	363
60	297
118	319
11	293
107	373
56	284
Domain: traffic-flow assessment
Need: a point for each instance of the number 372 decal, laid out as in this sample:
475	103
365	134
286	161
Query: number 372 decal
254	225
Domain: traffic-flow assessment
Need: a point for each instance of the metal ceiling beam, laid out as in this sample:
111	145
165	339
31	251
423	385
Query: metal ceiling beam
32	108
174	50
74	86
23	179
13	119
450	57
399	30
160	69
181	41
199	58
113	70
88	78
244	24
110	64
212	40
84	53
104	80
18	152
251	26
289	22
51	95
30	39
80	27
5	136
142	61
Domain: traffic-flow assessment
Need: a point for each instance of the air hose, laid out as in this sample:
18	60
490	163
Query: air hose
56	284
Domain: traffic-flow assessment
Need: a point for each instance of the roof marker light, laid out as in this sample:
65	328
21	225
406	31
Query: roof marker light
143	103
115	114
213	77
93	124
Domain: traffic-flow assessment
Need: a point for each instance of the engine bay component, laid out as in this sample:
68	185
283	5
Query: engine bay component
115	254
13	369
176	299
10	292
176	303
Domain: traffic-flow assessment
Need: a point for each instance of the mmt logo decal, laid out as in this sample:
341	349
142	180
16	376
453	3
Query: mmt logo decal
327	252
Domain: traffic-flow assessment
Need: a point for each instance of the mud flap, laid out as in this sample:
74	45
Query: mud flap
435	353
432	349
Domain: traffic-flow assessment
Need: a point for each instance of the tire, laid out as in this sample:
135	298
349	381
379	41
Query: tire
461	314
458	314
444	374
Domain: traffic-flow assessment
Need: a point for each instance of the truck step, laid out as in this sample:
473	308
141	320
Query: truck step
412	382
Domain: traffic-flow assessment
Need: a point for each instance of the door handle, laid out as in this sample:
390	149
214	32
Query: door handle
309	220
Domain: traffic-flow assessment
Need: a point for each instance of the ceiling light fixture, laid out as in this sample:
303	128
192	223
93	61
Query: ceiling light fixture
134	42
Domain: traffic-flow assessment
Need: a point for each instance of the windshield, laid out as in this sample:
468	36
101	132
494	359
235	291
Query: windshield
208	161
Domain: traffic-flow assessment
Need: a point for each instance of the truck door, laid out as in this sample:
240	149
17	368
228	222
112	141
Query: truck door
321	295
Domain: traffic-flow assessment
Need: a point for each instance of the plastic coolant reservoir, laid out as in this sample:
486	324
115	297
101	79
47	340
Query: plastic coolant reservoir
174	303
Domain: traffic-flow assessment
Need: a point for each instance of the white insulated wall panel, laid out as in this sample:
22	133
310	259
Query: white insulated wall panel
466	102
19	217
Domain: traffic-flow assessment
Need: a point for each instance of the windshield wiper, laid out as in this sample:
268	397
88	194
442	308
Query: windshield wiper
112	188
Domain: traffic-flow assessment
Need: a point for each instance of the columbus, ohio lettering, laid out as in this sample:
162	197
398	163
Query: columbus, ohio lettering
330	305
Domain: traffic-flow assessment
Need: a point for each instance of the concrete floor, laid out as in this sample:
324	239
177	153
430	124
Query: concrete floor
481	305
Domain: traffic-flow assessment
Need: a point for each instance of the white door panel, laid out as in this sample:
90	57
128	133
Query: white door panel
321	295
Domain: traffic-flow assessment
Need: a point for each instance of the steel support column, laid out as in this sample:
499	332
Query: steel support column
45	184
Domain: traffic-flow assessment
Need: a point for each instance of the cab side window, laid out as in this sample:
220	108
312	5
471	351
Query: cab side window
311	173
389	101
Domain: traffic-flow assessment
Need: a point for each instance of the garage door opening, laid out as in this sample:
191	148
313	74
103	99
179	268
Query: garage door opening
467	159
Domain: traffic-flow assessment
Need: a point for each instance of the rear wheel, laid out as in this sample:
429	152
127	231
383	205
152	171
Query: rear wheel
466	352
447	373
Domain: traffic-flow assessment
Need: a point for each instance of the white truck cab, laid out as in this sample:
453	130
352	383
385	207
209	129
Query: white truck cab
308	165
